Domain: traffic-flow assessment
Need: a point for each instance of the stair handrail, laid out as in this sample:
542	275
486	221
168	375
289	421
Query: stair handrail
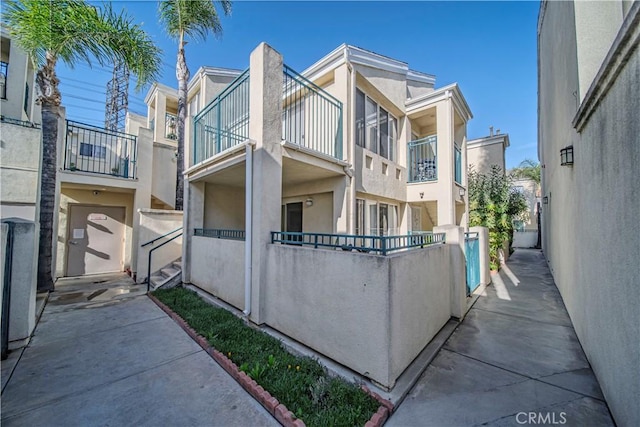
151	253
160	237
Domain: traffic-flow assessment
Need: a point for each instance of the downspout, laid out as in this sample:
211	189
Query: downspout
248	211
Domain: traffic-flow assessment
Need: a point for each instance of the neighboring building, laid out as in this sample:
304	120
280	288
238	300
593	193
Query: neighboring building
525	227
488	151
589	148
360	156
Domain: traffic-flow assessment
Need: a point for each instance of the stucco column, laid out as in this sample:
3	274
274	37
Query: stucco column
444	129
22	314
455	241
483	243
265	128
192	217
142	195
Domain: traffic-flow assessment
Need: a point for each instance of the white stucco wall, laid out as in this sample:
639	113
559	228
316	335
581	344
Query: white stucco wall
591	235
154	223
371	313
20	158
217	266
163	182
224	207
481	157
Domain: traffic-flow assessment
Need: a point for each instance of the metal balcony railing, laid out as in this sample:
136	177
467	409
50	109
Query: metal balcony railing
422	162
381	245
311	117
95	150
220	233
224	122
171	126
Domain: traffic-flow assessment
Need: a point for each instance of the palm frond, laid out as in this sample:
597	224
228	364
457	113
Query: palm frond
193	18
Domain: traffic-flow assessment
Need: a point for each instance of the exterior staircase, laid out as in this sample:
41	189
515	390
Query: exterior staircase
168	276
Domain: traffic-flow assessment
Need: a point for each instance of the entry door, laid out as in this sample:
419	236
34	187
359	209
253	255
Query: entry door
95	239
294	217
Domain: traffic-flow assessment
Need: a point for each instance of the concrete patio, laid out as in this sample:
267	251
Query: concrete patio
104	354
514	356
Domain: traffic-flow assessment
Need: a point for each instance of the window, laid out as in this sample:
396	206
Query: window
376	129
360	217
26	98
90	150
458	165
371	120
4	68
380	219
193	104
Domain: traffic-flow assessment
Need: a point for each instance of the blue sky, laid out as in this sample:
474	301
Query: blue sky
488	48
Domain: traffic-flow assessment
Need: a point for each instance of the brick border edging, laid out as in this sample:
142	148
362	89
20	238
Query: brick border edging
270	403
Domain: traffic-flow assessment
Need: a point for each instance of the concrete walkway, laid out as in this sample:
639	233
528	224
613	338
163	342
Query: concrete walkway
514	360
104	354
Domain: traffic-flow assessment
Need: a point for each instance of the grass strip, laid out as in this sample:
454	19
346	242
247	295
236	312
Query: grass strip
300	383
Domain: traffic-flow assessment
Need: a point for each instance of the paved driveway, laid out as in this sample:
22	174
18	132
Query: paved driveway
103	354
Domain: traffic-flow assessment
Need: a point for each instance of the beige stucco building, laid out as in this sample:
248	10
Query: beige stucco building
488	151
589	146
312	198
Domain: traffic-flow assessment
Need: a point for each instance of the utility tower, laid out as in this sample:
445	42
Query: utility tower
117	98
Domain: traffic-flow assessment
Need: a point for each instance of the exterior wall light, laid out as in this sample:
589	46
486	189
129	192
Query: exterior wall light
545	200
462	191
309	202
566	156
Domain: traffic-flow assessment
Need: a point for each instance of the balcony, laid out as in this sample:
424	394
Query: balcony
94	150
171	126
422	162
311	118
223	123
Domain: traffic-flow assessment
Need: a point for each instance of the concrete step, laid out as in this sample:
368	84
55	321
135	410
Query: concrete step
177	265
169	272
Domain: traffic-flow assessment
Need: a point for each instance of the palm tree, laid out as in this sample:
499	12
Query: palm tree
182	19
527	169
71	31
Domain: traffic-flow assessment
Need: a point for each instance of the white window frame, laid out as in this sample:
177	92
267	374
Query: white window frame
392	133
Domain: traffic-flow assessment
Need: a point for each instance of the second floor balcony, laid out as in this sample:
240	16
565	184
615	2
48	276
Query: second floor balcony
94	150
311	118
422	164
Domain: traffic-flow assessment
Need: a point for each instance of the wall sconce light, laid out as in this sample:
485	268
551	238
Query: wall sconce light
545	200
309	202
566	156
462	191
422	194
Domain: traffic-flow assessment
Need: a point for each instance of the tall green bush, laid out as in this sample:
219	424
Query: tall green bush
493	203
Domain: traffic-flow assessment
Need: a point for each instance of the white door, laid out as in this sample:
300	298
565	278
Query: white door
95	239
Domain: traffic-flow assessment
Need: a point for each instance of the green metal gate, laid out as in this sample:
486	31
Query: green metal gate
472	254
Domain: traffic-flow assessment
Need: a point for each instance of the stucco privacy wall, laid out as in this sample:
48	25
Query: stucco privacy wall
217	266
153	224
419	300
19	171
594	267
22	317
371	313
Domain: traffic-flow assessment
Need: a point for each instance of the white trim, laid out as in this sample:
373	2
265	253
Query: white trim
451	91
417	76
211	71
156	87
624	45
502	138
